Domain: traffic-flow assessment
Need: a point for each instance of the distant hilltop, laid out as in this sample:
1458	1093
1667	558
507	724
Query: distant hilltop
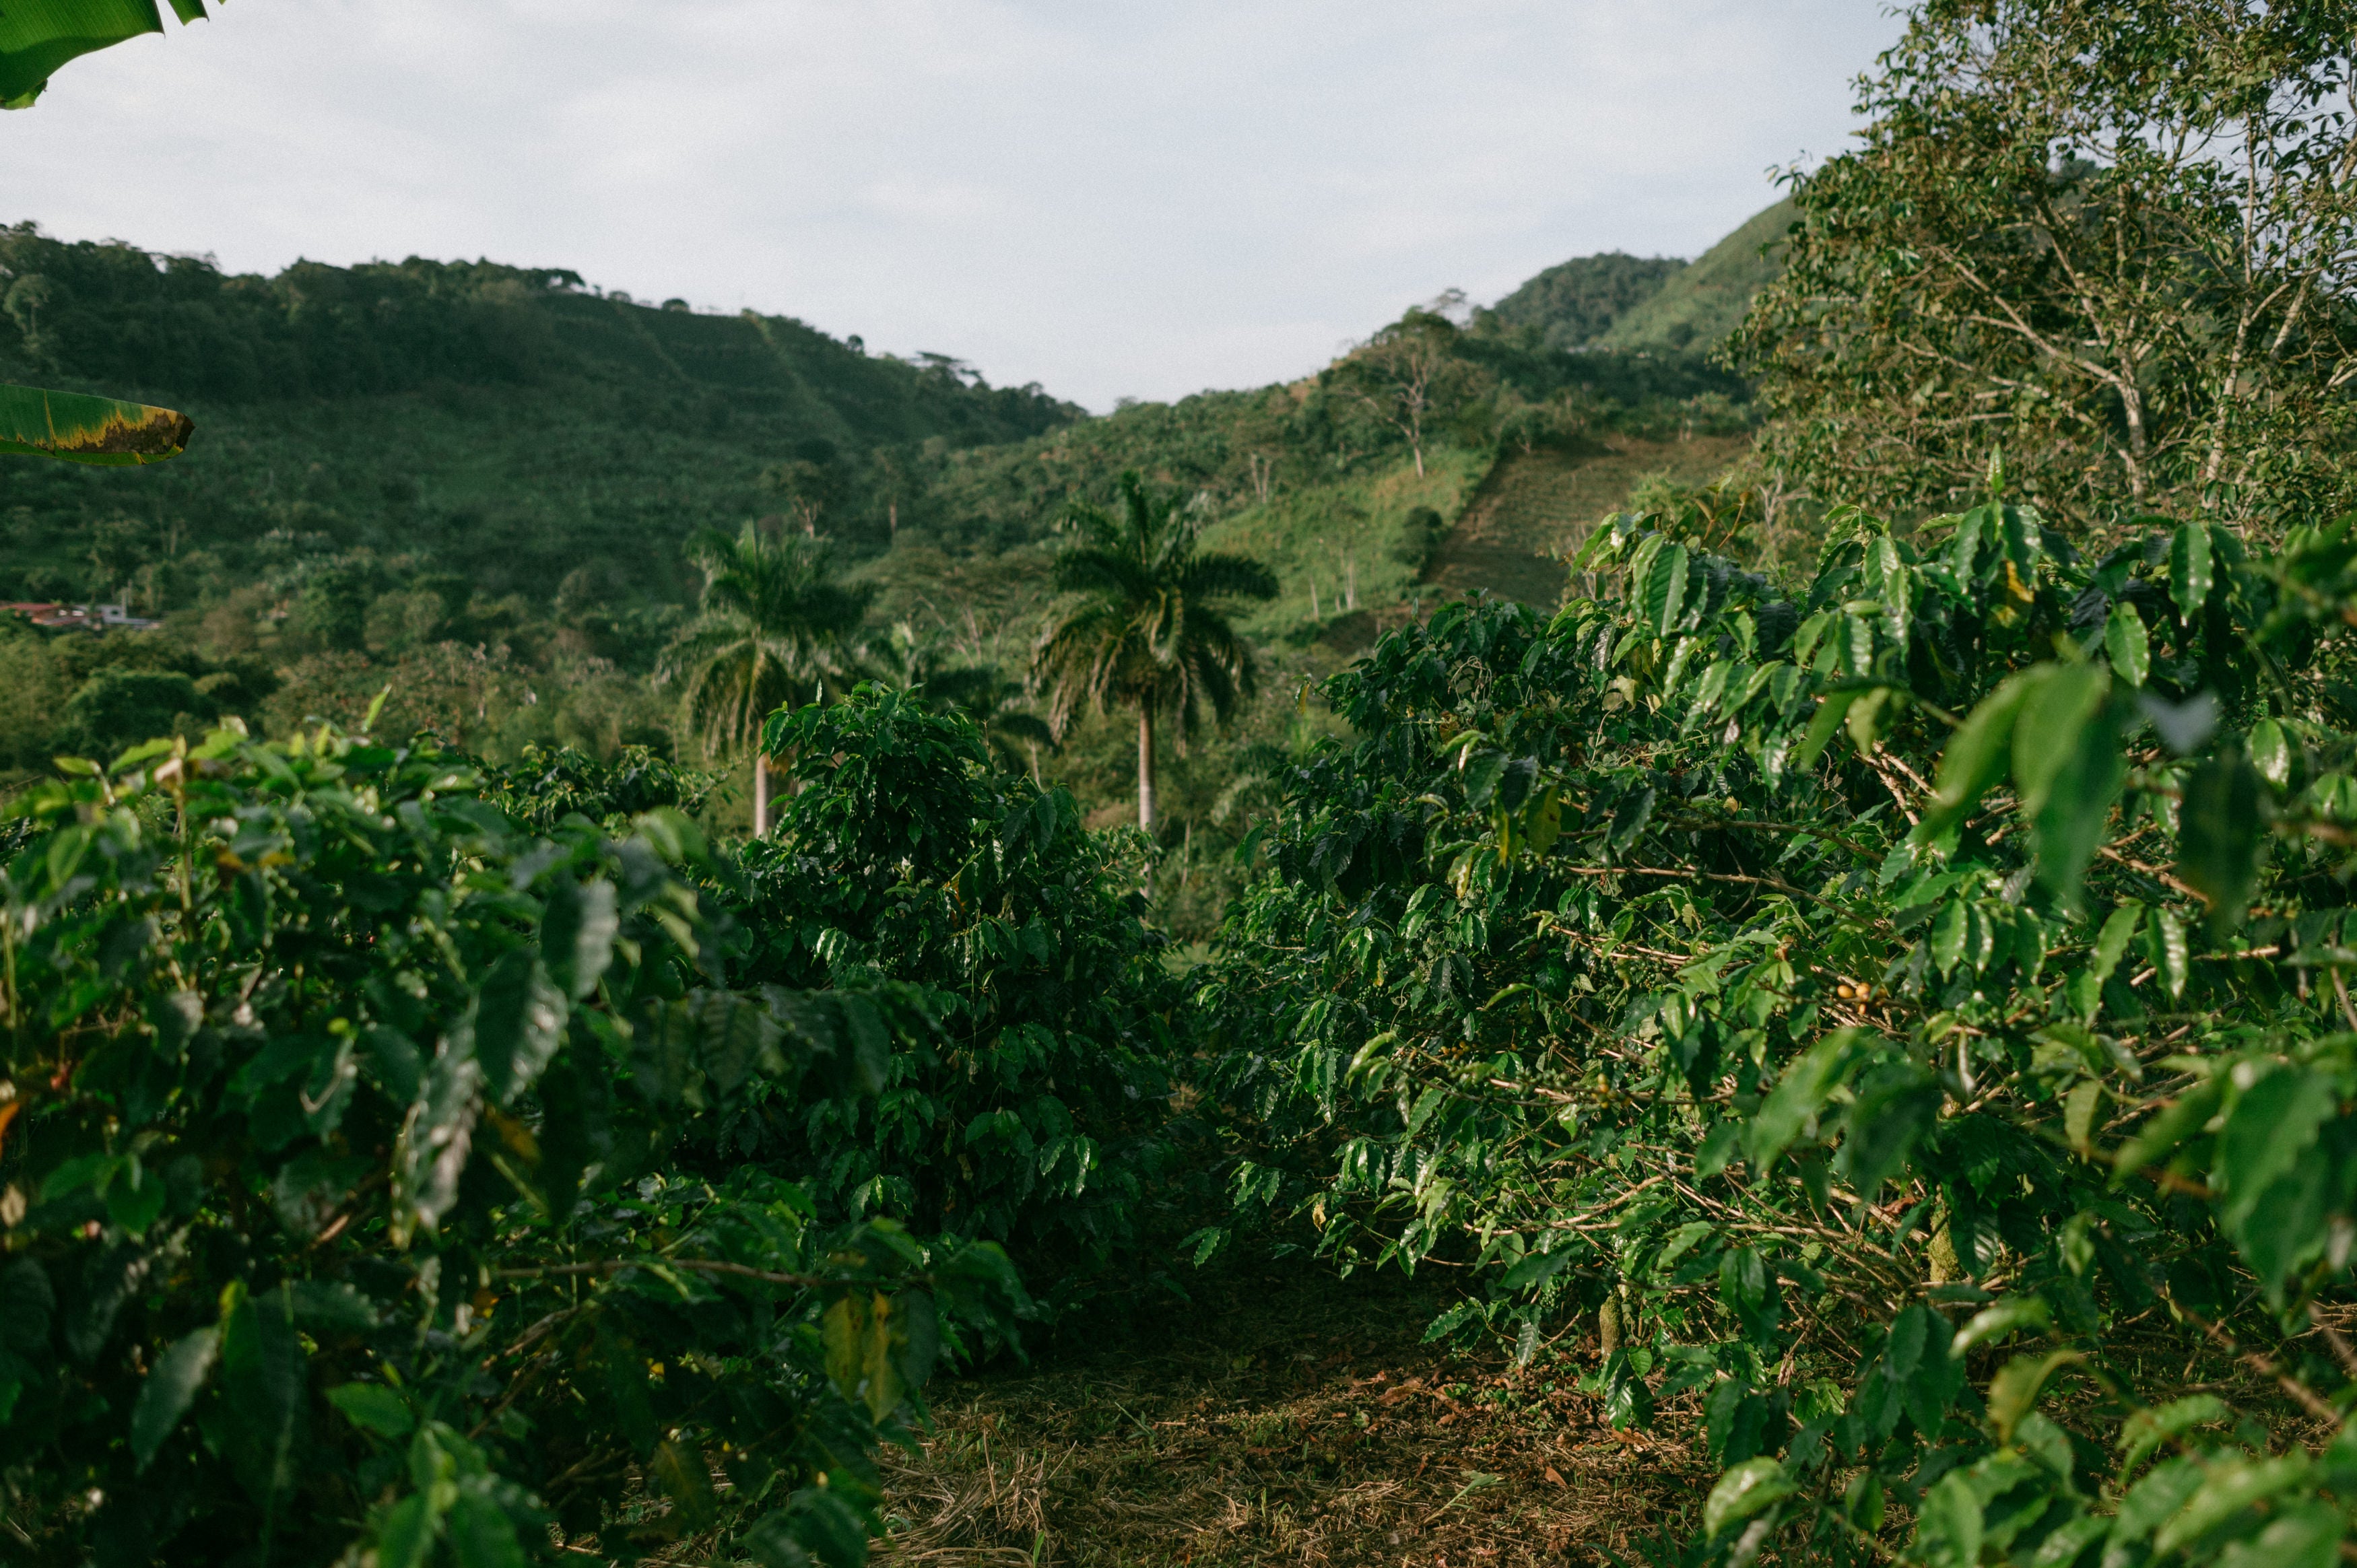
1658	304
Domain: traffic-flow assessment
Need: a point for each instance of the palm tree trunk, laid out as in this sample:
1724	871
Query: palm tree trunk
1145	768
761	795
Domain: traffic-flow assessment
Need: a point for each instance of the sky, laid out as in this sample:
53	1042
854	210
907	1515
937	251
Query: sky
1111	197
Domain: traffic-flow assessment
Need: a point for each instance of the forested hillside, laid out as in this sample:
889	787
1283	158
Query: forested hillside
1571	305
476	484
506	422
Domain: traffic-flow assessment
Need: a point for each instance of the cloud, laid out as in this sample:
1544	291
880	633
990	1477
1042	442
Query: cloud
1108	200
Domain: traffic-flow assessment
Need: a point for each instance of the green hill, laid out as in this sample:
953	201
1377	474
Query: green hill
469	483
1700	304
505	423
1572	303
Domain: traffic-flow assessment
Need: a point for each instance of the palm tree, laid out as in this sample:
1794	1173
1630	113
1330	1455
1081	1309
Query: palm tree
775	629
916	660
1139	624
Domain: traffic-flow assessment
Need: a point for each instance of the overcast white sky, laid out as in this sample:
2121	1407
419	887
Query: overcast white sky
1108	197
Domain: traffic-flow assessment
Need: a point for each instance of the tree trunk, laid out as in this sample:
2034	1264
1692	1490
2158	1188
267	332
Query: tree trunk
761	795
1145	768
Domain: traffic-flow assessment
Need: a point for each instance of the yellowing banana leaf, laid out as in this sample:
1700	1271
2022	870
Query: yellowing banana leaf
38	35
81	428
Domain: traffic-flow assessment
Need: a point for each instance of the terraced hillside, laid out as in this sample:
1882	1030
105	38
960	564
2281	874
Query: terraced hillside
1534	508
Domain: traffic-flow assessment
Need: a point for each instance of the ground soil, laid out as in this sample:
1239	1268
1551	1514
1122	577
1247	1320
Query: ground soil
1285	1417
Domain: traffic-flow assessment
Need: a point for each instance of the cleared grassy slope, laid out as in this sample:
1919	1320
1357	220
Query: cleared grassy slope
1700	304
1534	508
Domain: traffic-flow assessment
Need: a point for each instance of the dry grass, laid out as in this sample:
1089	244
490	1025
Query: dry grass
1284	1419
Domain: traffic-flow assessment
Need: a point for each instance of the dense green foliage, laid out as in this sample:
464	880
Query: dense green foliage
1569	304
2115	239
1879	970
530	445
1823	985
1037	1116
359	1194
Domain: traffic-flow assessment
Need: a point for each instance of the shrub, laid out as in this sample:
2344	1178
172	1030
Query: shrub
342	1220
119	707
1902	1015
1036	1117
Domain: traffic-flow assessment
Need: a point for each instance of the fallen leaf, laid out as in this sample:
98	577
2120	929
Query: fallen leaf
1548	1471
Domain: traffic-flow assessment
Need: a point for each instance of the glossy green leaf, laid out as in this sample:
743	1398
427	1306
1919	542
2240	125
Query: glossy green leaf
518	1023
1978	753
170	1389
2174	1122
1895	1106
859	1333
1664	589
2271	752
2270	1129
1949	928
577	935
2146	1430
683	1474
373	1407
2112	941
2014	1391
262	1384
1949	1529
36	36
1864	719
2047	731
1744	1490
1830	711
2234	1486
1798	1097
1993	1324
76	426
2128	644
405	1539
2189	568
2171	956
2219	830
2299	1535
481	1535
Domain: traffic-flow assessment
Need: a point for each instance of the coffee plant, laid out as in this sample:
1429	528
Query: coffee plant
1037	1116
1901	1013
356	1197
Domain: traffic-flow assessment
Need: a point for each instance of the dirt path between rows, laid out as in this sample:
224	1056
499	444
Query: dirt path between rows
1286	1419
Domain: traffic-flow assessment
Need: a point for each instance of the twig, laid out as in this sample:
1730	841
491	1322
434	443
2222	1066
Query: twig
616	1265
2265	1365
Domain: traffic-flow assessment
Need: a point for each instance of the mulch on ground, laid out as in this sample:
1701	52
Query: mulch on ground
1292	1419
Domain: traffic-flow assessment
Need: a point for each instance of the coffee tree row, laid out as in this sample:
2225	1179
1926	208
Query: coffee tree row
1904	1014
368	1188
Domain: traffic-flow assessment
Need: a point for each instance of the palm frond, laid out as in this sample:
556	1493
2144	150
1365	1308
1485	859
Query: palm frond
1223	575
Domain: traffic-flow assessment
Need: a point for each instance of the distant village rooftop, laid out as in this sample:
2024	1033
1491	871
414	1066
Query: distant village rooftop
81	618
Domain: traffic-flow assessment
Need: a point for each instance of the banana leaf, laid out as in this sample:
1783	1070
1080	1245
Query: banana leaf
38	35
81	428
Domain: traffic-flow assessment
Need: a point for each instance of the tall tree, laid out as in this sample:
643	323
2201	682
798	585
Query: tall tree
776	629
1140	623
2117	241
1410	374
